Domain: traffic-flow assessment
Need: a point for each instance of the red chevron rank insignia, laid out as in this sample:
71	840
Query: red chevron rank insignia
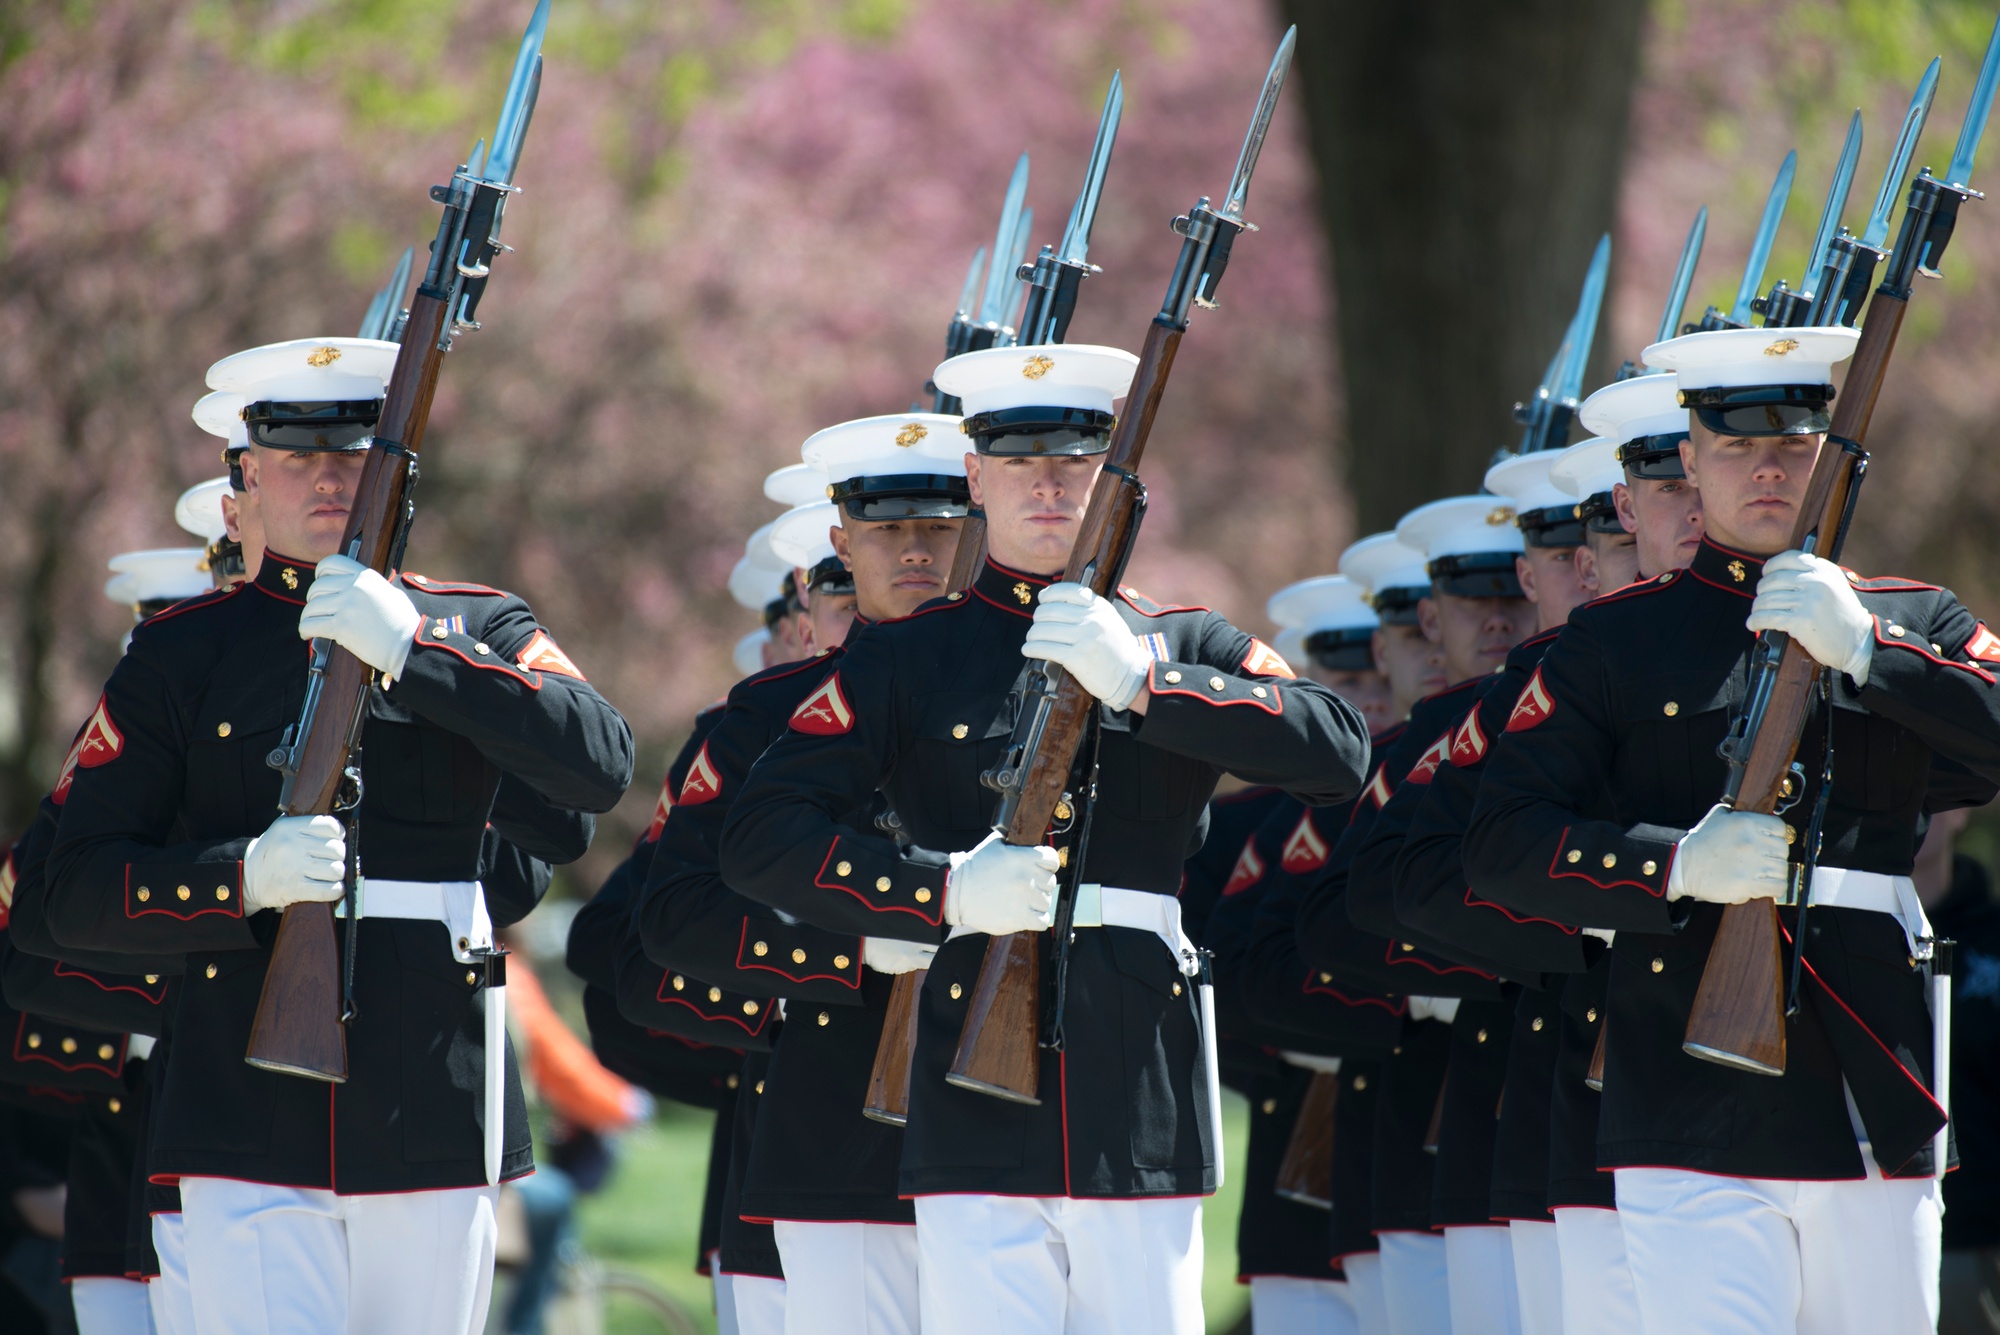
824	713
660	810
544	655
1248	871
1984	645
99	743
1304	849
1377	790
1533	706
1427	764
702	784
1264	661
1468	744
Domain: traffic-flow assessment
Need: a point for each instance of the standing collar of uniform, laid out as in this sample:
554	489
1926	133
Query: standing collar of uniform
1726	568
1011	590
285	578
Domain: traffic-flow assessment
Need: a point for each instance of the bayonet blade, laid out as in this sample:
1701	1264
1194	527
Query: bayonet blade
1899	157
1836	202
1583	325
1767	232
1677	295
399	283
475	162
1001	273
371	322
1023	253
1976	113
1260	125
1075	248
970	292
515	111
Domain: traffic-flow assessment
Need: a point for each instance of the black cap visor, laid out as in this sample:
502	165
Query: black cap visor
1551	526
902	496
1349	649
1476	575
324	426
1761	410
1033	431
1654	458
830	576
1599	513
1397	606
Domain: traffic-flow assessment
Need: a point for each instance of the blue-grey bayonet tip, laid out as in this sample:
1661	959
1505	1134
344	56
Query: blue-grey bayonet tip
1767	234
1583	326
1260	125
519	104
1836	201
1677	295
1975	114
1001	272
1900	155
1083	215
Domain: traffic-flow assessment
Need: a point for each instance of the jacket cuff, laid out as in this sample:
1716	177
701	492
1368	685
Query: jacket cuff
184	891
799	953
904	890
1602	855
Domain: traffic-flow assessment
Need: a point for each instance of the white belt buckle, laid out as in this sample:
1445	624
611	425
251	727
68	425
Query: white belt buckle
1088	910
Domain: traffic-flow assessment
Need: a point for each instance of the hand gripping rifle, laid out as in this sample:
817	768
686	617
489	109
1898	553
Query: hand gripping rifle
1738	1018
1052	291
998	1049
299	1025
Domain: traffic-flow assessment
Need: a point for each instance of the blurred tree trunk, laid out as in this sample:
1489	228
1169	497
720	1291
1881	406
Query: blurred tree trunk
1469	156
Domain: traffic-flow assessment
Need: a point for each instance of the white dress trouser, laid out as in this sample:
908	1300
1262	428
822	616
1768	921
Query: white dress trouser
1479	1266
749	1305
1415	1286
167	1293
269	1260
1538	1276
106	1306
1364	1290
1727	1254
1289	1305
1051	1265
849	1279
1598	1298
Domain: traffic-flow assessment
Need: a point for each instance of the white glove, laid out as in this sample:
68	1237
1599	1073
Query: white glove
362	612
1310	1062
885	954
299	860
1083	632
1442	1009
1731	857
1809	599
996	888
1604	934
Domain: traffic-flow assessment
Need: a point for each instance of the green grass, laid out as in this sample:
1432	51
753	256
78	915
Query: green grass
646	1217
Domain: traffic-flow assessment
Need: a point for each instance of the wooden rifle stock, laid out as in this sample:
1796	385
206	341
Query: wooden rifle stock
1738	1017
1305	1174
1435	1133
971	553
297	1029
999	1048
1593	1075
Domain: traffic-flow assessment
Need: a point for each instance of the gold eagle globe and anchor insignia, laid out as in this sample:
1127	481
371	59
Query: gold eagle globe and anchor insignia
290	577
1737	571
1024	593
321	358
1037	366
1781	347
911	434
1501	514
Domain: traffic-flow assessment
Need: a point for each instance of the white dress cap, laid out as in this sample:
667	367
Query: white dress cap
220	413
799	537
199	510
1053	375
1380	562
1645	405
891	446
749	652
1524	481
1324	602
1733	358
1588	468
796	484
754	586
159	574
306	370
1461	526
